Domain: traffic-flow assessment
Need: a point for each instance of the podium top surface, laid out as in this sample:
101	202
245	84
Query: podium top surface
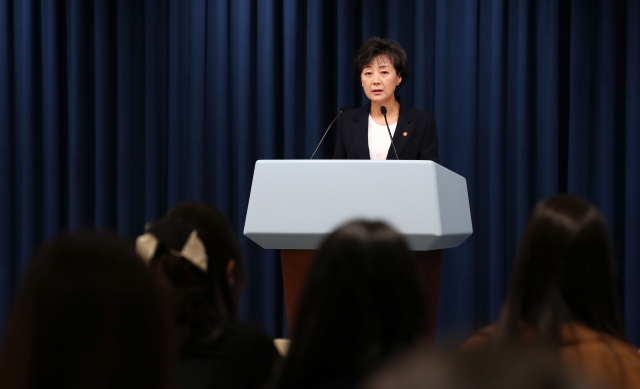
294	204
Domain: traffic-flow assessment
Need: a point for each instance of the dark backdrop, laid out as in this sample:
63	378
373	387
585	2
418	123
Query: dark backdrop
112	111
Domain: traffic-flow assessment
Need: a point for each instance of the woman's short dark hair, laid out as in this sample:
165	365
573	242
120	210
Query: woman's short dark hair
205	301
88	314
564	272
361	301
374	48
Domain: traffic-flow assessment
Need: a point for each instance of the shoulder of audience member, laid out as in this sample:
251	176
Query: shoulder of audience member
602	358
480	338
253	337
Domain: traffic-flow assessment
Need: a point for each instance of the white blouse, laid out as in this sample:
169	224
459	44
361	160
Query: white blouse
379	141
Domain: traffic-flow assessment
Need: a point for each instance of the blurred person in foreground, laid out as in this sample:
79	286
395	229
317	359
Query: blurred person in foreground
360	304
88	315
194	252
563	295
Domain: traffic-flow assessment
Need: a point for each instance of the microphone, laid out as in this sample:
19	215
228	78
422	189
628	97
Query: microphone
383	109
342	109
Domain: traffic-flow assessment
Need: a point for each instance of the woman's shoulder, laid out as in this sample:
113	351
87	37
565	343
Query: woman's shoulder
409	111
237	339
487	335
480	338
241	332
577	337
243	357
357	112
601	357
575	333
244	353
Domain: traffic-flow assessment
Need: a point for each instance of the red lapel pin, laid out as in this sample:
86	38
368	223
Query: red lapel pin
405	133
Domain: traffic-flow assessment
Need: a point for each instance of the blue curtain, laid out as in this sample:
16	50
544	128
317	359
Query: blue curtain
112	111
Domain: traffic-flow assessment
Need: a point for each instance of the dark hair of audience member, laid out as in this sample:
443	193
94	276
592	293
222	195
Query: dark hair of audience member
360	303
221	243
205	301
88	315
564	272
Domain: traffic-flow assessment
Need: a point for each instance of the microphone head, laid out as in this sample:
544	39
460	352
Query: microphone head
343	108
383	109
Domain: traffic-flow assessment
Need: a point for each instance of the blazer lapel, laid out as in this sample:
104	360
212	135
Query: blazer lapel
405	125
360	132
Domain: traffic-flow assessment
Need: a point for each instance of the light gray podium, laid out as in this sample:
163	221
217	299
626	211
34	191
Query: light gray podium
294	204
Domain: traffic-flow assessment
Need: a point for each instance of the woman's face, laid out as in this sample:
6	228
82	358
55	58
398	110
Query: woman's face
379	80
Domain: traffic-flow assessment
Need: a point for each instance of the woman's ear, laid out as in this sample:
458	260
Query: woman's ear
230	266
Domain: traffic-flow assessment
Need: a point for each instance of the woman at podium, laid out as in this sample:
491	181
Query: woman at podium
366	132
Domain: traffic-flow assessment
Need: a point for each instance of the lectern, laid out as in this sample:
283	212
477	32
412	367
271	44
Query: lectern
294	204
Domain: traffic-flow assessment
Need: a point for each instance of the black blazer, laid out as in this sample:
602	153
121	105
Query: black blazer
420	141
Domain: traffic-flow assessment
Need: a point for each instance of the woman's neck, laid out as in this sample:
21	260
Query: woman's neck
393	108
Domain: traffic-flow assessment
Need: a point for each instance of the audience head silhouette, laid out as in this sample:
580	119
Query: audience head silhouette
361	302
564	271
193	250
88	315
194	253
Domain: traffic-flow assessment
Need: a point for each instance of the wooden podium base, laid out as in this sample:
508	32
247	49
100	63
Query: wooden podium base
428	263
296	264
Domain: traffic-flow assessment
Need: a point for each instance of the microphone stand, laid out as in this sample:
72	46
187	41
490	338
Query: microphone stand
383	109
342	109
